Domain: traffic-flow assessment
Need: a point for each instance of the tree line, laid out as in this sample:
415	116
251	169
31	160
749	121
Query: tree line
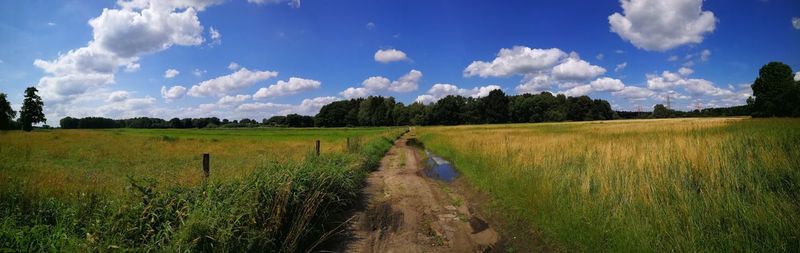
775	94
291	120
496	108
661	111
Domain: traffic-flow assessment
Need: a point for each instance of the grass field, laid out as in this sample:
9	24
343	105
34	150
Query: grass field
686	185
64	162
142	190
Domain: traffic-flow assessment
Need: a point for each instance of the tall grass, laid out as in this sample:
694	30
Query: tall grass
284	206
684	185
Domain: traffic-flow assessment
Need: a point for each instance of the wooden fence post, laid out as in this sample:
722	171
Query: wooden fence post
206	169
348	145
317	147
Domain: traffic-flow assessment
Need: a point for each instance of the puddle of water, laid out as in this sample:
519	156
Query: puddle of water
439	168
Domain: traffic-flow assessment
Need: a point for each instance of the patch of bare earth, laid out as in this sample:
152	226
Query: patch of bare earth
407	212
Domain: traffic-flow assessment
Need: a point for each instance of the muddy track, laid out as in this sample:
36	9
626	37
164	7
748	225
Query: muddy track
407	212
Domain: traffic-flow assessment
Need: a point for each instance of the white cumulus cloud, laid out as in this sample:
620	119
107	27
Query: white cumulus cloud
293	3
120	36
354	92
634	93
233	100
118	96
173	93
390	55
669	81
216	37
535	83
170	73
540	68
577	69
607	84
441	90
517	60
578	91
226	84
621	66
198	72
306	107
376	84
684	71
407	83
283	88
234	66
659	25
796	23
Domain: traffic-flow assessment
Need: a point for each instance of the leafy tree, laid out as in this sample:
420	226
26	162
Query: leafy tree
186	123
248	121
660	111
7	113
601	110
97	122
175	123
374	111
69	123
495	107
400	115
294	120
276	121
473	111
31	112
521	108
447	111
333	114
775	91
418	114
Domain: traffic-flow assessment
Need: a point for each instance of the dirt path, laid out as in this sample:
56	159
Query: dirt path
408	212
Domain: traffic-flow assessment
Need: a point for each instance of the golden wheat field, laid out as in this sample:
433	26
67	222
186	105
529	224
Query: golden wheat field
720	185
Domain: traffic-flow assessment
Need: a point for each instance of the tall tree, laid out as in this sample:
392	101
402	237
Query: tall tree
400	115
374	111
448	110
495	107
31	112
69	123
660	111
775	92
7	113
417	113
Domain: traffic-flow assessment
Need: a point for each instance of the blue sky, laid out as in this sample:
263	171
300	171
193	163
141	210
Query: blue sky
258	58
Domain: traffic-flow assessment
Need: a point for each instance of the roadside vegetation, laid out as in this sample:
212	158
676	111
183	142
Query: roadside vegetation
142	190
686	185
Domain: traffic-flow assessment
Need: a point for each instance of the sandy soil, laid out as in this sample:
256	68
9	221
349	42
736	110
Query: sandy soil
408	212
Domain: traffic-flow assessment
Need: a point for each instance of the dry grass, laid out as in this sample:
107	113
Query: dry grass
726	184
